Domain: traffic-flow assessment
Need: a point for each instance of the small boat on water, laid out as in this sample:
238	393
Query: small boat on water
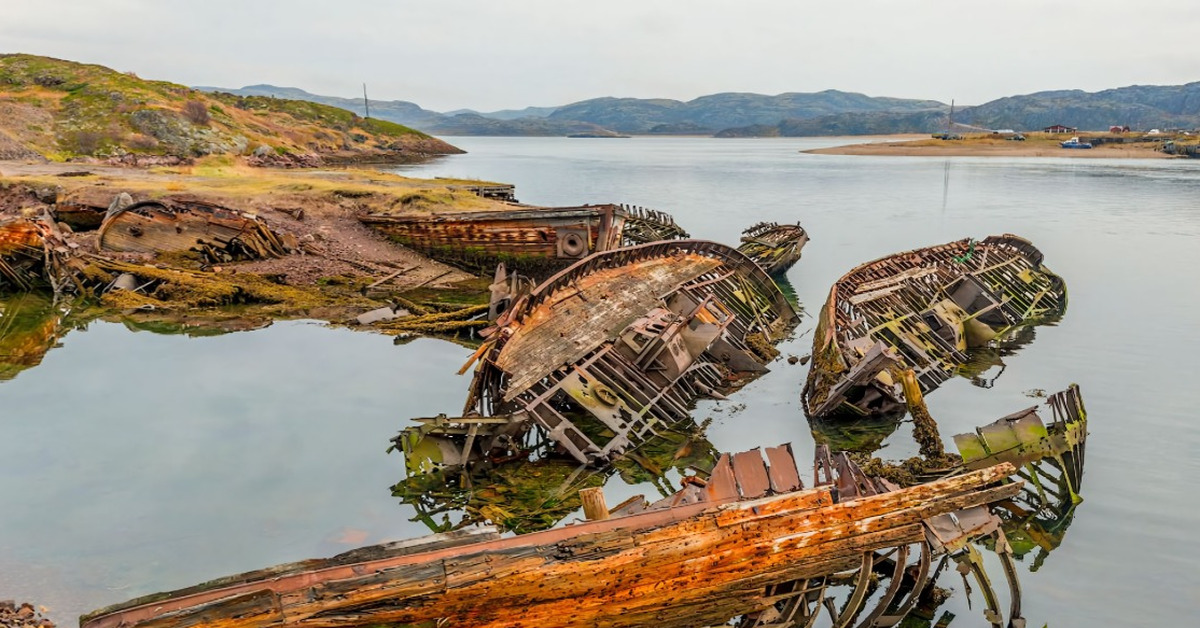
901	325
773	246
533	240
748	542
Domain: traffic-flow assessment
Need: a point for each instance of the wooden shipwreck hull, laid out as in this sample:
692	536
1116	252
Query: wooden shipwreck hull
749	542
218	233
602	353
919	313
773	246
530	239
1049	459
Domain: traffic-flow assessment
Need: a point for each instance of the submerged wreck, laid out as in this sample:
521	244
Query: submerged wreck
529	239
1049	460
773	246
750	543
217	233
905	322
602	354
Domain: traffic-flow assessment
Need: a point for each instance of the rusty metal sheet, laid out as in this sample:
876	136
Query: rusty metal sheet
782	472
751	474
721	483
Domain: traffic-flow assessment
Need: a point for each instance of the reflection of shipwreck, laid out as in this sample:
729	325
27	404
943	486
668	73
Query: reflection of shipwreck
750	542
1049	458
529	239
773	246
30	325
601	354
920	312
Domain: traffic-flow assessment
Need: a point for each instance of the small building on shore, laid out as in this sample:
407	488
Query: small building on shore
1118	129
1058	128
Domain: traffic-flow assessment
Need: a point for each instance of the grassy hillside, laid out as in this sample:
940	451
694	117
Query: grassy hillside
63	110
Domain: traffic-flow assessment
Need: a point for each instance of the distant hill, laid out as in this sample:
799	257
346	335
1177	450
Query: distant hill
722	111
1139	106
398	111
61	110
858	123
830	112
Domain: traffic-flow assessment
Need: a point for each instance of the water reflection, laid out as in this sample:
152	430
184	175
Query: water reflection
531	495
30	325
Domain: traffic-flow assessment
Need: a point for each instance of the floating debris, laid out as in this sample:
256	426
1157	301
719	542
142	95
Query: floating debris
773	246
534	240
750	542
217	233
602	354
921	311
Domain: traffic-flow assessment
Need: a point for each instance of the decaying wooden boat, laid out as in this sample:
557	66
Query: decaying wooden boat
1048	458
601	354
533	240
181	224
750	542
918	313
22	253
773	246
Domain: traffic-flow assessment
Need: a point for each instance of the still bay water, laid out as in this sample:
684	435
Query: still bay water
136	462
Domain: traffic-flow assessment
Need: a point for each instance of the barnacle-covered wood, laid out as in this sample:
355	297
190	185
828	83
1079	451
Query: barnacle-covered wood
922	310
699	558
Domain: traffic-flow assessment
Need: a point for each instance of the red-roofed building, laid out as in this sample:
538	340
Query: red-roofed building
1058	128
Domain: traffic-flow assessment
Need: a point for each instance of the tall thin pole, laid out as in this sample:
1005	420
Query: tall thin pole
949	126
366	103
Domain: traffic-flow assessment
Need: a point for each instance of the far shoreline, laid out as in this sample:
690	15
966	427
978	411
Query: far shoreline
907	146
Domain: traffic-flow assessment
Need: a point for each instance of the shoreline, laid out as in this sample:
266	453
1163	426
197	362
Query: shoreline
988	147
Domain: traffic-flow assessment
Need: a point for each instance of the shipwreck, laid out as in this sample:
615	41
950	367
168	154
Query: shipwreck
749	543
532	240
773	246
603	353
176	225
902	325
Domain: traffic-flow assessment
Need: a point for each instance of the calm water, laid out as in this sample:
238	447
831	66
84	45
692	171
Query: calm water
135	462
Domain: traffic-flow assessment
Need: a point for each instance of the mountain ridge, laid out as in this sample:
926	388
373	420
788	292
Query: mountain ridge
826	112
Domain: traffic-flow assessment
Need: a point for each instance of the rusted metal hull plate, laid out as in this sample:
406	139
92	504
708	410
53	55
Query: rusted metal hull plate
528	238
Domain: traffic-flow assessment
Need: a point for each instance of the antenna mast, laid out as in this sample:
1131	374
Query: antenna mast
366	103
949	124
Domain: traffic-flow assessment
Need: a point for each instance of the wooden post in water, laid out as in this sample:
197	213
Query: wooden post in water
594	508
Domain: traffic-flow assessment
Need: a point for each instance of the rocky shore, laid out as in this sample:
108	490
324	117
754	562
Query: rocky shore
24	615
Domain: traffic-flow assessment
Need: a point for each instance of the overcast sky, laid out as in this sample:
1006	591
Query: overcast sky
497	54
